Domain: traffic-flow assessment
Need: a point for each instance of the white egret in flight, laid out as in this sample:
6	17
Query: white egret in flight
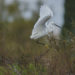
44	26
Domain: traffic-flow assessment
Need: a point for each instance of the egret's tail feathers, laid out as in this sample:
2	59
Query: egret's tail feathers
45	11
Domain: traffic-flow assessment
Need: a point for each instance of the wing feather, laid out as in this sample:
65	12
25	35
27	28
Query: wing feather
39	29
45	11
45	14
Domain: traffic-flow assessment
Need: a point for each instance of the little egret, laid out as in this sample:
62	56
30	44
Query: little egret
44	26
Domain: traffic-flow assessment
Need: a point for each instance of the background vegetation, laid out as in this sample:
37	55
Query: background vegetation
19	55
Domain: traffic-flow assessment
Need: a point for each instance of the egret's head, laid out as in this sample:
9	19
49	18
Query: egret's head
53	30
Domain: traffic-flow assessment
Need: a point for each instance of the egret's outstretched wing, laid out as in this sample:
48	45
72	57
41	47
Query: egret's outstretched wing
45	11
39	27
45	14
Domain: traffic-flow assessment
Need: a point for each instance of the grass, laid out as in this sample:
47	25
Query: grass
58	59
19	55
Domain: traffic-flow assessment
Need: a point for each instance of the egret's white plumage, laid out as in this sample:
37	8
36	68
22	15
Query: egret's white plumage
53	30
43	26
45	11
